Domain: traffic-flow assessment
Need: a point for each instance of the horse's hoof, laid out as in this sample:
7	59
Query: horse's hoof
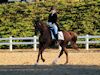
43	60
53	63
65	63
36	64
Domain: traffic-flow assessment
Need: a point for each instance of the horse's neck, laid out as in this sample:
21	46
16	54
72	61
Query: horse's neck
45	31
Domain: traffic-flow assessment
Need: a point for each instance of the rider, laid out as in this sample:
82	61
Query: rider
52	21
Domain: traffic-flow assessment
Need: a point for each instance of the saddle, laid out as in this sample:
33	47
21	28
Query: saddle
59	36
54	36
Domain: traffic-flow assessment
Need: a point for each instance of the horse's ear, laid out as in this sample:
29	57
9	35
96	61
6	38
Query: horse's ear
37	19
34	22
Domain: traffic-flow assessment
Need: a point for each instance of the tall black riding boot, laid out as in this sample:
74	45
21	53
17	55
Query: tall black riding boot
56	36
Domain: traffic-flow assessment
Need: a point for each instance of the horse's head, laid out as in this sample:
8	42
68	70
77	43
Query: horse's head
38	25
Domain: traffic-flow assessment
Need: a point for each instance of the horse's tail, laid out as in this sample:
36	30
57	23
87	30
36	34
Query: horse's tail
73	40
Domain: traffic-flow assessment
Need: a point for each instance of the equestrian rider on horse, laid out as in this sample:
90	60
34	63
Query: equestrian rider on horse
52	22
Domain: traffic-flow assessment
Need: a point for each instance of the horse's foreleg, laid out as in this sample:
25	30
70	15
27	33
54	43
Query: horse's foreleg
40	53
41	49
38	57
42	56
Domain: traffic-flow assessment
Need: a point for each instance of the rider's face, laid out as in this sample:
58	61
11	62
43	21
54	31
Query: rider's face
53	11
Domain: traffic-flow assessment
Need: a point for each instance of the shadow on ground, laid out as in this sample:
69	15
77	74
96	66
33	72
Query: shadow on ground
49	70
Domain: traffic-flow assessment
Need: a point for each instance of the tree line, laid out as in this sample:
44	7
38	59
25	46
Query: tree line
17	19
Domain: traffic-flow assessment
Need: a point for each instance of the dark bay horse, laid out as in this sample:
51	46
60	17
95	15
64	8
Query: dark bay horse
45	40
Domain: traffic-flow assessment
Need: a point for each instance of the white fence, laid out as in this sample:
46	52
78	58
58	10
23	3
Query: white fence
35	42
11	43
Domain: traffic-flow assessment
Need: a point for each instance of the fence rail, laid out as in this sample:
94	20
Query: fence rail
35	41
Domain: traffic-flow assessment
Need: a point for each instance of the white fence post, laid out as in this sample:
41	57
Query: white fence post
10	43
35	45
87	42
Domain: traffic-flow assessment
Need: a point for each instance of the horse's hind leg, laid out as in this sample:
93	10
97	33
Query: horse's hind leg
61	52
74	45
66	52
73	42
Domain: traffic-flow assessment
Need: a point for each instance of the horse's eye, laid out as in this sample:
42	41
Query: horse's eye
39	24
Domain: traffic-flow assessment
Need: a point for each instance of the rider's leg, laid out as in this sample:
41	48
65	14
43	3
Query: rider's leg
55	28
55	31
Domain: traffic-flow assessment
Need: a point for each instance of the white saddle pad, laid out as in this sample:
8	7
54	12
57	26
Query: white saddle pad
60	35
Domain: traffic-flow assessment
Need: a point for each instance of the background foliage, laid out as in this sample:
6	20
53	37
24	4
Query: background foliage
17	19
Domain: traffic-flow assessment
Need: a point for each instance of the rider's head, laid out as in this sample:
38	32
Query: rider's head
53	10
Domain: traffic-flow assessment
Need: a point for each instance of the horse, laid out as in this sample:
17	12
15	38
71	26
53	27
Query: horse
45	40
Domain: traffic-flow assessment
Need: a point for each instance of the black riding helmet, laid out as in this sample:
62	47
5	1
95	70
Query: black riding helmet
52	8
